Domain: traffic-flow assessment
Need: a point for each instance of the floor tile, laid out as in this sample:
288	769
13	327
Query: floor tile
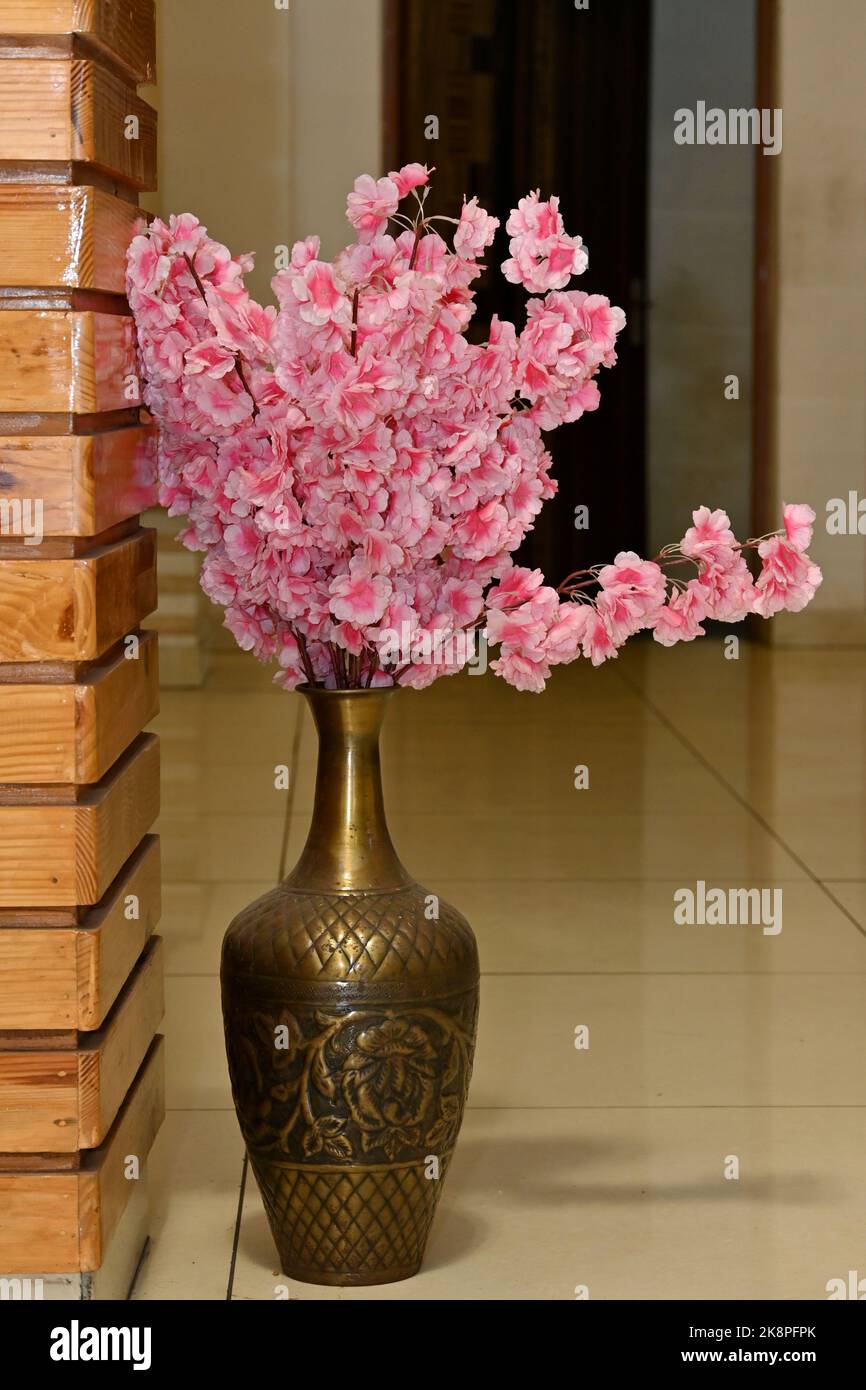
194	920
671	1040
641	766
196	1070
629	1204
472	843
194	1175
219	848
831	847
599	1167
587	926
852	896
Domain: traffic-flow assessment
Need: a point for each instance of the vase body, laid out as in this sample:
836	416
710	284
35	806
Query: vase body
350	1000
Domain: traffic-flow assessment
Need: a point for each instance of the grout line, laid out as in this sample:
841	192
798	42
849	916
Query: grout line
692	1105
741	800
697	1105
540	880
579	974
145	1251
237	1231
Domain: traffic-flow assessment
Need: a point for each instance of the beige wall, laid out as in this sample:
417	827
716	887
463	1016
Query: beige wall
266	117
820	406
338	84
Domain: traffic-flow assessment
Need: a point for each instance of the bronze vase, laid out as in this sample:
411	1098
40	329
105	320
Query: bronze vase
350	1000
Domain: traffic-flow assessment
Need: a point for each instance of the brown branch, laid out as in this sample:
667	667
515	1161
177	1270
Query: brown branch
415	245
238	368
305	656
353	345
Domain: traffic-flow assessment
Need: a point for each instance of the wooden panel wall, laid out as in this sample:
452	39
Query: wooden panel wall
80	967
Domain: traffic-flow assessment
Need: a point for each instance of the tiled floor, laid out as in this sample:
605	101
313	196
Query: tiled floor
600	1169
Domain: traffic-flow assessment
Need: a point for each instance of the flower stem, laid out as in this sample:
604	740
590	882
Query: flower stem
238	368
353	345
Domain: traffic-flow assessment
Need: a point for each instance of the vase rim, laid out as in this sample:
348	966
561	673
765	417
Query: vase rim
316	690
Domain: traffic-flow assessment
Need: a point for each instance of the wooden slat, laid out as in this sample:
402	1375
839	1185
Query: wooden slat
60	1101
69	237
63	1221
51	360
125	29
86	483
54	853
73	733
111	1057
75	109
74	610
104	1182
69	976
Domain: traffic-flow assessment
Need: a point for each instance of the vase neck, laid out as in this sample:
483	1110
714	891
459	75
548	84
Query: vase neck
348	847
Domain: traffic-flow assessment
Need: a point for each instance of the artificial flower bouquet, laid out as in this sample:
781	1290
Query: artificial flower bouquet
356	470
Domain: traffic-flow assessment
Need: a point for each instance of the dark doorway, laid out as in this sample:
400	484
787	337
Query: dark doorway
541	94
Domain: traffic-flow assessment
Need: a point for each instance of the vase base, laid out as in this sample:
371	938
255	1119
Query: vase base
348	1226
342	1279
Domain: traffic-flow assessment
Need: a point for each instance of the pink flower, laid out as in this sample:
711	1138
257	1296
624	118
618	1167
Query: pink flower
788	579
371	204
225	402
318	295
567	632
730	593
543	257
209	357
516	627
633	591
461	600
798	520
597	642
360	599
523	672
710	538
680	619
515	587
482	532
475	230
409	177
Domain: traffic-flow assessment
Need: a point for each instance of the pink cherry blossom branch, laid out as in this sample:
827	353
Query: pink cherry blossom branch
353	345
238	367
401	430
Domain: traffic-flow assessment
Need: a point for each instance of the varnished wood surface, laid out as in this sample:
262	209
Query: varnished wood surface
51	360
124	29
86	483
68	237
55	1222
56	853
74	109
68	976
80	987
75	609
73	733
61	1101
